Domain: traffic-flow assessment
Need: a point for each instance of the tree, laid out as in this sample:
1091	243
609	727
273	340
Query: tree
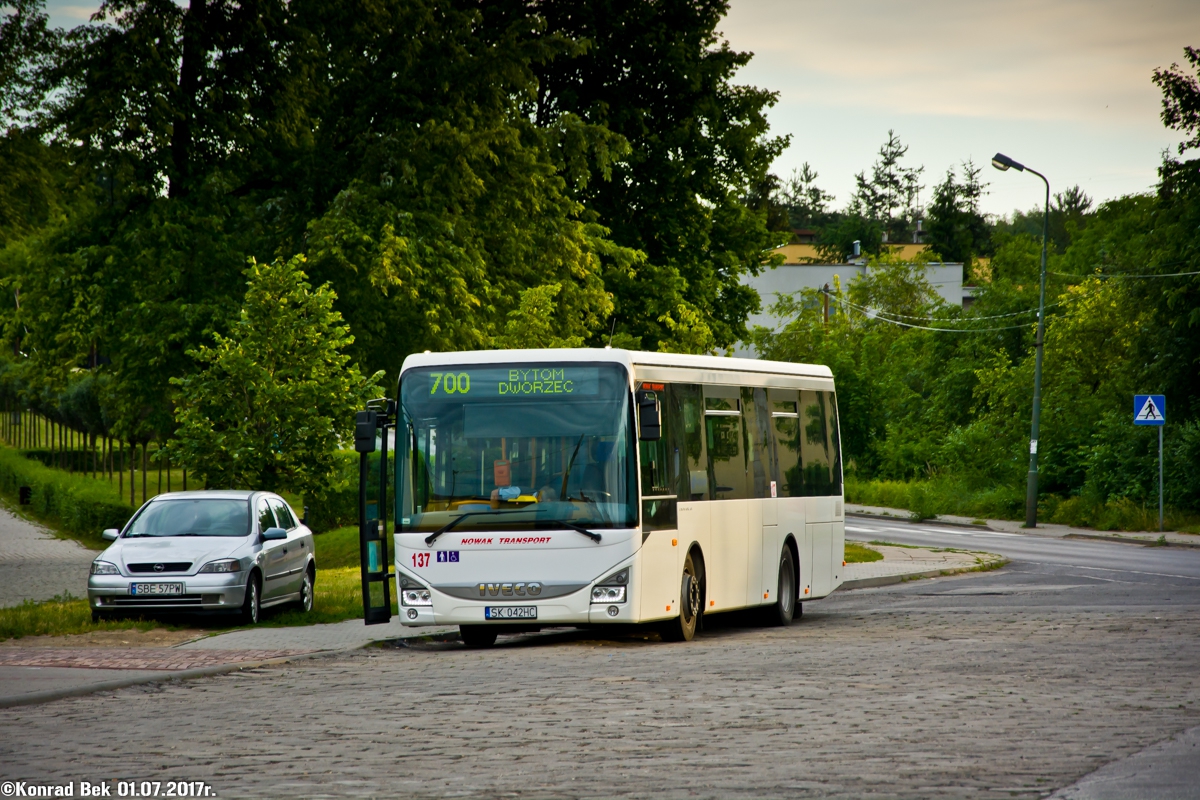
659	76
1181	98
275	398
807	204
891	195
957	231
532	323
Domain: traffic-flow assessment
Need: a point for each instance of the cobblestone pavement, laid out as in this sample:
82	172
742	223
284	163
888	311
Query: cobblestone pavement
36	566
1011	683
144	658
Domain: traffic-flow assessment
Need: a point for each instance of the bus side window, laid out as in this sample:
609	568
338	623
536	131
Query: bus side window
686	418
785	424
835	443
815	444
723	440
758	439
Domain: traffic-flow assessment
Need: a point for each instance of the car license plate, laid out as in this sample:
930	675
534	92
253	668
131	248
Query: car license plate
510	612
155	588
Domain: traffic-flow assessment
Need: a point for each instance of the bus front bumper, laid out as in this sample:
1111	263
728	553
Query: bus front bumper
572	609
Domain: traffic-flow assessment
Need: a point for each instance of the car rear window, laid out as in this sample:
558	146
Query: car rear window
192	517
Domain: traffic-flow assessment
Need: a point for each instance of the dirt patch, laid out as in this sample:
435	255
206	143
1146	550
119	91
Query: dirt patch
158	637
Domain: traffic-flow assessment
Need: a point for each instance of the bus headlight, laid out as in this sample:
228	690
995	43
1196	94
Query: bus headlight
608	594
612	588
416	597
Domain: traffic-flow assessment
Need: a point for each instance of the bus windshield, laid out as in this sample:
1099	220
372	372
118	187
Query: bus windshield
515	447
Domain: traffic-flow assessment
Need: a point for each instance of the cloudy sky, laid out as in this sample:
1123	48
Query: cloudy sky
1061	85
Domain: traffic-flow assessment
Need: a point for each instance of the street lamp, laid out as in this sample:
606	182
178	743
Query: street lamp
1004	163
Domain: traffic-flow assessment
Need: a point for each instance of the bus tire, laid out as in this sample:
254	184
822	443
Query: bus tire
782	611
477	635
691	605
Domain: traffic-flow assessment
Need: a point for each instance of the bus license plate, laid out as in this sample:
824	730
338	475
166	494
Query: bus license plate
155	588
510	612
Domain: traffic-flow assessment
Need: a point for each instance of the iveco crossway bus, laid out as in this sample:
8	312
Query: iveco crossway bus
539	488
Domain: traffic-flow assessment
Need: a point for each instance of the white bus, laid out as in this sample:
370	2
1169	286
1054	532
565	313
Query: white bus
587	487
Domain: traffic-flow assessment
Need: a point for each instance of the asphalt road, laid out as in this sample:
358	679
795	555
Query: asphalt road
1076	661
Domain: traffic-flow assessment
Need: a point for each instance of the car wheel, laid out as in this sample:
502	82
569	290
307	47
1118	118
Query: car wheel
252	605
306	590
691	599
784	608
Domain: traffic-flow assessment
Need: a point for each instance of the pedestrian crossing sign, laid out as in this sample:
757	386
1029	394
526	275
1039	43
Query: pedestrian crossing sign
1149	409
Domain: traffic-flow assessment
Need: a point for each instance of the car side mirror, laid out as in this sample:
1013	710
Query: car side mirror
110	534
273	534
649	416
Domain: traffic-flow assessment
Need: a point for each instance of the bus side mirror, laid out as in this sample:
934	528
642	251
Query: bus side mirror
649	416
364	431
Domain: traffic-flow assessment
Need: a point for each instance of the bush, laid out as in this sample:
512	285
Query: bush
338	505
77	505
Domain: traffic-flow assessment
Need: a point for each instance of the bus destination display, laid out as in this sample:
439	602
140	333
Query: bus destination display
524	381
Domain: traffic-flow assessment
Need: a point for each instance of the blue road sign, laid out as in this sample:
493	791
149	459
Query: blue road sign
1149	409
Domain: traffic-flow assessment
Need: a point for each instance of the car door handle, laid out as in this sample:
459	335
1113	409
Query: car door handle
285	551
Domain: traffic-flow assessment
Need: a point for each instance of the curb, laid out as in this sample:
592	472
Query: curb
1127	540
910	521
888	580
36	698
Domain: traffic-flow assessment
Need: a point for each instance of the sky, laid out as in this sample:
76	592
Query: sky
1060	85
1063	86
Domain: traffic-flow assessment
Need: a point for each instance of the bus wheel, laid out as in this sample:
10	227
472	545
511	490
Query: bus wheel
477	635
784	608
683	627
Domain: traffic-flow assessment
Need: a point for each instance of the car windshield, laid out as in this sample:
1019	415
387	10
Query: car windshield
522	447
192	517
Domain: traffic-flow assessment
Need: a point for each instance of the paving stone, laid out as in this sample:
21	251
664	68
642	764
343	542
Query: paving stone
34	565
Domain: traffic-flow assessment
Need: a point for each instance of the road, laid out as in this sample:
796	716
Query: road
1011	683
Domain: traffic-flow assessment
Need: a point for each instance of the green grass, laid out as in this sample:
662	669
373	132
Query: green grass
861	554
948	494
337	597
337	548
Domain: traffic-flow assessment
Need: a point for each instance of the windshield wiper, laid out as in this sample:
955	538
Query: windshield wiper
449	526
595	537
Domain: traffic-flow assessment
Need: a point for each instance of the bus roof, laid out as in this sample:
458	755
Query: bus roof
630	358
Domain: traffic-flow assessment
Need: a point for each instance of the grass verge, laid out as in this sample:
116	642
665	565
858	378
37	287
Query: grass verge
949	495
337	597
861	554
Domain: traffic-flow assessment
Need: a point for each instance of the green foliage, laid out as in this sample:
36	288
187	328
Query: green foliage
337	548
274	397
891	195
77	505
957	230
659	76
534	322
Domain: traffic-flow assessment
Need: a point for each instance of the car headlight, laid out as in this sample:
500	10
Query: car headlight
104	568
416	597
224	565
608	594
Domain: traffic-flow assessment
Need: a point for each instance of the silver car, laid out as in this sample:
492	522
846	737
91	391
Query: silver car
233	551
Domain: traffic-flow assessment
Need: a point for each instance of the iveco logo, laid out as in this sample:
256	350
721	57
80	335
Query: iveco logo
158	567
510	589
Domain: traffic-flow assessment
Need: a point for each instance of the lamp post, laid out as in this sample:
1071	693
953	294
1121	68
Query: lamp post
1003	163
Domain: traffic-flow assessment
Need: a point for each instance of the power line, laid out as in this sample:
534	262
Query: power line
1120	276
926	327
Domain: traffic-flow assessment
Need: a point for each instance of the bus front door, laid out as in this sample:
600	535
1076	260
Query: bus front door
371	441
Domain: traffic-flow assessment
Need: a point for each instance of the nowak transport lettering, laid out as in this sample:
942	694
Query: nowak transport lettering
510	589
